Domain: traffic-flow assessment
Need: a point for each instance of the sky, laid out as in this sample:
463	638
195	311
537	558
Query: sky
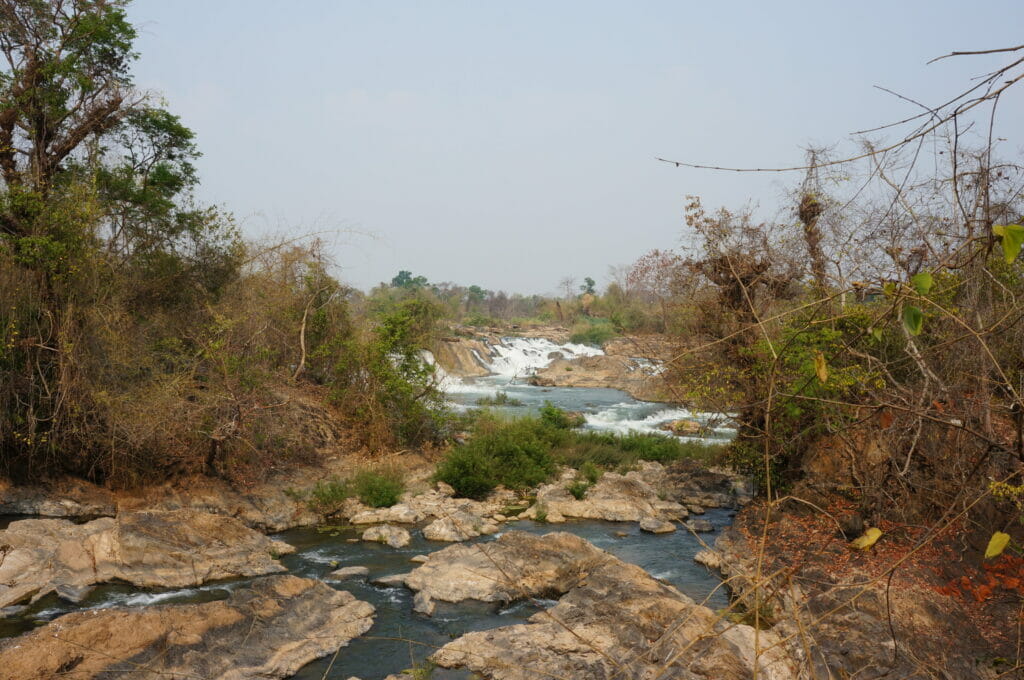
513	144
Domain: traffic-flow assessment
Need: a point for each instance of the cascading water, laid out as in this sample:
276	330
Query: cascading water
513	360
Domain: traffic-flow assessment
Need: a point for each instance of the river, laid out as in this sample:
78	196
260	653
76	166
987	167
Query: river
401	639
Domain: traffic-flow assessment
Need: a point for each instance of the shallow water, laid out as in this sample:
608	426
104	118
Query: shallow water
401	638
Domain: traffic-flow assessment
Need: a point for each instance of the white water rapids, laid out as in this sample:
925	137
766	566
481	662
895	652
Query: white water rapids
514	359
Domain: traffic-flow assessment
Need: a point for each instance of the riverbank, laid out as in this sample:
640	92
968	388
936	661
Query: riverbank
651	492
913	606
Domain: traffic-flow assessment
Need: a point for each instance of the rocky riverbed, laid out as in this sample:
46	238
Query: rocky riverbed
183	556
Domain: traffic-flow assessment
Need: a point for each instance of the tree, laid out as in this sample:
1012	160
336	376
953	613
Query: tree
656	274
588	286
64	84
96	212
405	279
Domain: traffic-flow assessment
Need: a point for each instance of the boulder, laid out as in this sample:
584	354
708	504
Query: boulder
682	428
615	498
270	629
516	566
459	526
656	526
391	581
700	526
400	513
616	621
709	558
396	537
348	573
172	549
424	604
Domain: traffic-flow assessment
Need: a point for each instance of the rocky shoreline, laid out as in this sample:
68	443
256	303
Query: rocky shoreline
188	547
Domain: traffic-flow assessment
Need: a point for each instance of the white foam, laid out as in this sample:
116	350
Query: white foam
518	357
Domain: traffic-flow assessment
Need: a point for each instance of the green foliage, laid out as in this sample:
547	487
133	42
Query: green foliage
377	488
591	451
560	419
1012	237
499	399
594	332
590	471
913	319
523	453
405	279
480	321
328	495
514	454
384	382
922	282
578	489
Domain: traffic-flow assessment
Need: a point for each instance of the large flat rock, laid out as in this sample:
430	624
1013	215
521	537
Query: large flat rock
616	621
152	549
268	630
516	566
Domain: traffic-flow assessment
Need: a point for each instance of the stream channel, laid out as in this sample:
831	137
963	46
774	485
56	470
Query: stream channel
401	639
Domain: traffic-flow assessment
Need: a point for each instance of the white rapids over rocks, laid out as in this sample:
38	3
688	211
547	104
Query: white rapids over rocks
514	359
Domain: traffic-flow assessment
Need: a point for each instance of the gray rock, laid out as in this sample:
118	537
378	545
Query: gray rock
348	573
656	526
459	526
165	549
424	604
392	581
396	537
516	566
420	559
709	558
616	621
269	629
700	525
71	593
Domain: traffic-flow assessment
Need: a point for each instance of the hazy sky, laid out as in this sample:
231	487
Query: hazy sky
511	144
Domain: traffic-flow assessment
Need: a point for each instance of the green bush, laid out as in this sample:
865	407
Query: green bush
590	471
612	451
499	399
378	489
512	454
329	495
578	489
595	332
523	453
555	417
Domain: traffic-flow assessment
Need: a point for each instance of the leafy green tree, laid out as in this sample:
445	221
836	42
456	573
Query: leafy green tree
65	83
96	213
405	279
588	286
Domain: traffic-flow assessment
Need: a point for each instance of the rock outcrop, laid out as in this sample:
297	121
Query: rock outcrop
615	497
615	620
459	526
267	630
396	537
516	566
153	549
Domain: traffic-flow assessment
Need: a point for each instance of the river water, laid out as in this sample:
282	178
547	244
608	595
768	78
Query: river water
401	639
